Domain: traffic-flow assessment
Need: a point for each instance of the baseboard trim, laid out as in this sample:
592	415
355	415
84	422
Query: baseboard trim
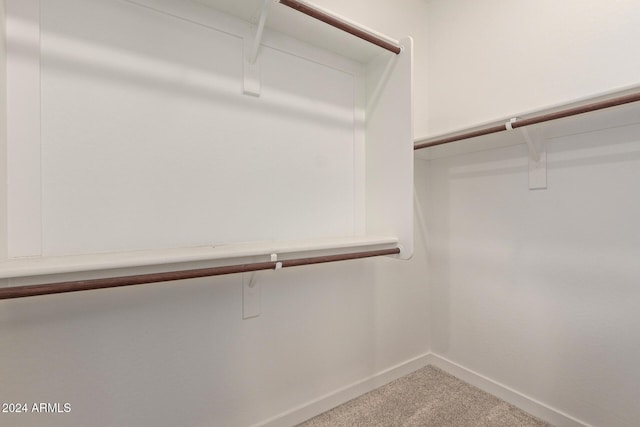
526	403
331	400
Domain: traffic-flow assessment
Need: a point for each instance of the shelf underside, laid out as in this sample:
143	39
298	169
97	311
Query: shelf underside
614	117
301	27
225	254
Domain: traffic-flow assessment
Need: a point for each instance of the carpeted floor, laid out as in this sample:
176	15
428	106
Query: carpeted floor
428	397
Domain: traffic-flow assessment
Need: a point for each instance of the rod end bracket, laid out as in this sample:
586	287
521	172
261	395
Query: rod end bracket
536	145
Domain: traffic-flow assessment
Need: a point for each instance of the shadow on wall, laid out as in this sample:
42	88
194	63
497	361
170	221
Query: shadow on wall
482	185
614	145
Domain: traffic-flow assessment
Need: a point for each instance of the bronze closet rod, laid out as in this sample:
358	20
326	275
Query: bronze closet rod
344	26
599	105
140	279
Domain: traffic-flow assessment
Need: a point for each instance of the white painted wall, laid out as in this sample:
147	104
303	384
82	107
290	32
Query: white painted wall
172	128
180	354
536	290
491	59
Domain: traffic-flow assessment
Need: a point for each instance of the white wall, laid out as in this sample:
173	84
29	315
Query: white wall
180	354
145	108
537	290
491	59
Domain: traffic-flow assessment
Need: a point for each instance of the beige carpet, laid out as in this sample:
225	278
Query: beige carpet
428	397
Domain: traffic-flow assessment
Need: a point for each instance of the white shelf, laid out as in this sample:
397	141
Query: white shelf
300	27
177	154
609	118
238	253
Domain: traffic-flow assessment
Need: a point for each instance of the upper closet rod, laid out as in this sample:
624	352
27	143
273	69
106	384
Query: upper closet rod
113	282
343	25
613	102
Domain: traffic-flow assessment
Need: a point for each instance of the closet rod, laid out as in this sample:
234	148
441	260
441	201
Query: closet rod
113	282
599	105
340	24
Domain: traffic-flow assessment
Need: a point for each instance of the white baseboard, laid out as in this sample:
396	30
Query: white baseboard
527	404
340	396
331	400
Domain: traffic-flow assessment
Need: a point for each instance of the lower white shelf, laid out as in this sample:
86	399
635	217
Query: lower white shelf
236	254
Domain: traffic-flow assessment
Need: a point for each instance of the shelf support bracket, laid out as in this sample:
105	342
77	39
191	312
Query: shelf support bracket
382	82
252	41
537	156
250	296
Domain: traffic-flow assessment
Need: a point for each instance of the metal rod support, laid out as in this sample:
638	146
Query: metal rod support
258	37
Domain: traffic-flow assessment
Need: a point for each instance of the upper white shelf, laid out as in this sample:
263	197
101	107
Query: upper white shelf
164	134
605	118
301	27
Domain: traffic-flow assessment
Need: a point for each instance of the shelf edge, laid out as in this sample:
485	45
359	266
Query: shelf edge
40	266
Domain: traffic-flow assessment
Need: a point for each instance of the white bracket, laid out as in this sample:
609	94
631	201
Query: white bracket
252	41
382	82
250	296
537	156
274	258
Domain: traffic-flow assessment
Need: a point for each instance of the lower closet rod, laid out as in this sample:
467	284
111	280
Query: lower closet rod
113	282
